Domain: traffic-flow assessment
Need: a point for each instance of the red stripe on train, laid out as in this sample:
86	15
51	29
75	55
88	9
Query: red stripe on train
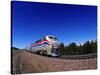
40	42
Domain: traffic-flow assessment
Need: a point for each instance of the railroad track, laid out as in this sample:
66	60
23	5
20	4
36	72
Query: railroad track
86	56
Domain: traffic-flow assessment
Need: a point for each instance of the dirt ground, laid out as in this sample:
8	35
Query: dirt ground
25	62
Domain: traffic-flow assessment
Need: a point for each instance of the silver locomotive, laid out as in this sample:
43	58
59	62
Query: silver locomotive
48	45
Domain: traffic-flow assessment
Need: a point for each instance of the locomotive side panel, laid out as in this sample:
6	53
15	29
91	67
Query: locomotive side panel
42	49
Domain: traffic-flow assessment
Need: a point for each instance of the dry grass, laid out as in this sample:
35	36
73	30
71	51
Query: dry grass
31	63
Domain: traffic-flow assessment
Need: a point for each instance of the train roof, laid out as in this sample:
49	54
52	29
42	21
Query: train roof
50	36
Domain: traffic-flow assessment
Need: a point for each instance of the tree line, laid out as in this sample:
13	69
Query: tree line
72	49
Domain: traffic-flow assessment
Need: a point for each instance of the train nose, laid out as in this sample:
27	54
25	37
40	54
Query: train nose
55	45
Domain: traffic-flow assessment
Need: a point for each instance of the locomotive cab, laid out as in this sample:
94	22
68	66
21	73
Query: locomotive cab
54	44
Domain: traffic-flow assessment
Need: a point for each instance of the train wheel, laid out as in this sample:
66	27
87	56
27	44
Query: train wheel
41	52
38	52
45	53
49	55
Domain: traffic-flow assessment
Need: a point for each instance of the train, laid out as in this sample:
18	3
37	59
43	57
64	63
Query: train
48	45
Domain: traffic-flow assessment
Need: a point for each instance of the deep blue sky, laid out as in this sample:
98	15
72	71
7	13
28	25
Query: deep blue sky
69	23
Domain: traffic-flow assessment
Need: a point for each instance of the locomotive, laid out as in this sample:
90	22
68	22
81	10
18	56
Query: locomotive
48	45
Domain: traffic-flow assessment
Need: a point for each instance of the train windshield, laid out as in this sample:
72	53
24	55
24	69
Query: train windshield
54	38
50	37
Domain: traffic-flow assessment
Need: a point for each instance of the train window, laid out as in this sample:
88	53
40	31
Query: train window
55	38
50	37
44	38
38	41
